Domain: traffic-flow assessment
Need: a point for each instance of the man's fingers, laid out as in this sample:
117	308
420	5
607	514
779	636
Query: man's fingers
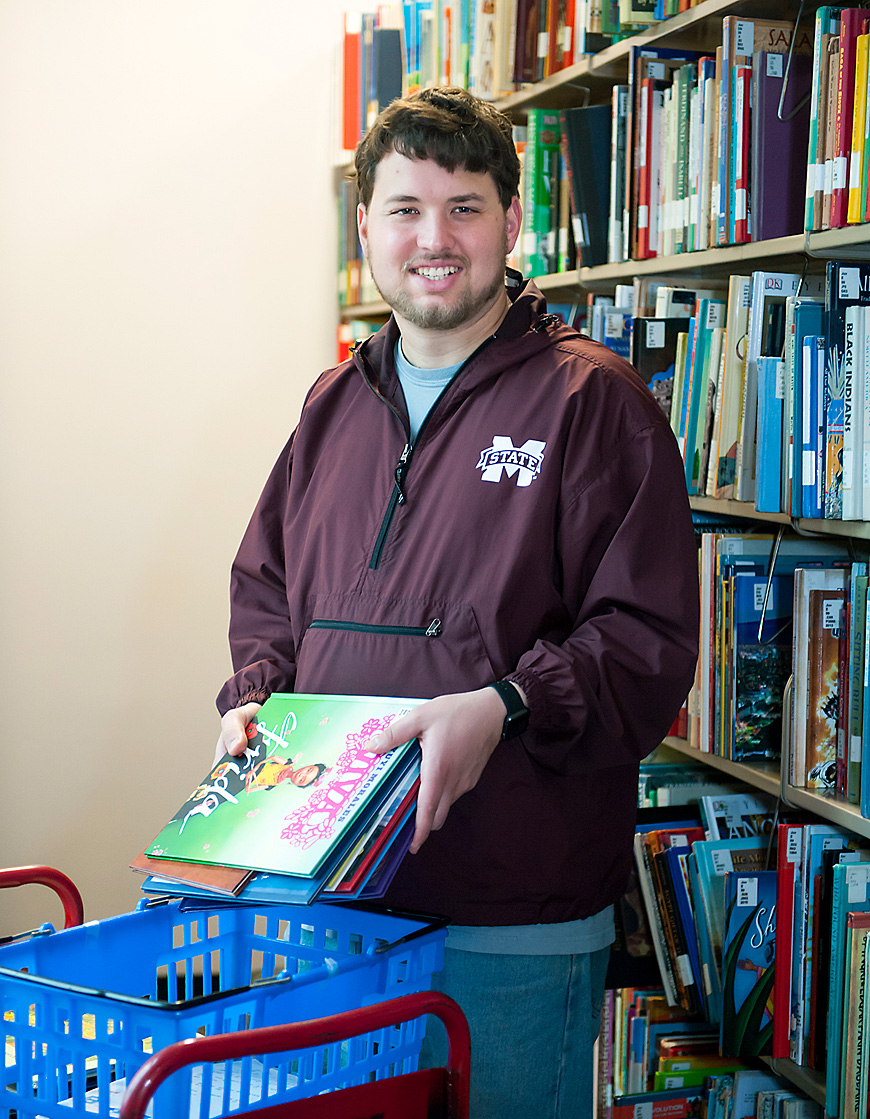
402	730
233	738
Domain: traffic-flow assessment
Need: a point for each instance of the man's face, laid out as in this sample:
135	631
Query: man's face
436	241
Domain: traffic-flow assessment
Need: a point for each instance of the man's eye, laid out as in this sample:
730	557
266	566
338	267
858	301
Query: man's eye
404	211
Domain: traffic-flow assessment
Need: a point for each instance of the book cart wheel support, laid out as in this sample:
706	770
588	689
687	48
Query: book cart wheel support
426	1092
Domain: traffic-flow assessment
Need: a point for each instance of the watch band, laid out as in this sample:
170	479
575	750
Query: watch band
517	718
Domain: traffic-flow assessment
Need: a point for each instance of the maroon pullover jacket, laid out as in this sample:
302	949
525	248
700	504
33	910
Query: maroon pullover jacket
538	530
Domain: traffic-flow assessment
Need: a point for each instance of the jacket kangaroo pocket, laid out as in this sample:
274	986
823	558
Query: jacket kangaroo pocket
361	645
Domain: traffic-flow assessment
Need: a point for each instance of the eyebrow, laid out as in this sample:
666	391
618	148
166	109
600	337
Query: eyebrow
471	197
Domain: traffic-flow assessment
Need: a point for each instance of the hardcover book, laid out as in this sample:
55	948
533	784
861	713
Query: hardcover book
779	143
653	354
748	963
823	687
587	138
806	580
850	893
303	789
848	286
762	619
856	1018
850	28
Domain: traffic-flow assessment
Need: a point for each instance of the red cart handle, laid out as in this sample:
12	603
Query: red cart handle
73	907
300	1035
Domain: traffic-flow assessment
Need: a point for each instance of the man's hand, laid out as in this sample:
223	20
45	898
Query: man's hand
233	739
457	734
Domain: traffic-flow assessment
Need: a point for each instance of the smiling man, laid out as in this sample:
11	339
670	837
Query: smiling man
485	509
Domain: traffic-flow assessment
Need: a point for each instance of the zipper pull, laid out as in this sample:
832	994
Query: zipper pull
434	629
401	467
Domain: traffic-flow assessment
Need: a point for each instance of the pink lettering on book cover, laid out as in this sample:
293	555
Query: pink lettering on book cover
352	771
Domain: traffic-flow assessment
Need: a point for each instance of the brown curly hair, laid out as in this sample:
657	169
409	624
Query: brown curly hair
450	126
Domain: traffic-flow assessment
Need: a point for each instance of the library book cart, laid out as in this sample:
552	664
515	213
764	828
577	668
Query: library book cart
591	80
212	1010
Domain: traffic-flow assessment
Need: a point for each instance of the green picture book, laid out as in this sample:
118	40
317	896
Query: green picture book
304	787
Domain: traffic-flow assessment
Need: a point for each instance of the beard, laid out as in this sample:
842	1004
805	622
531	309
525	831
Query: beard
441	316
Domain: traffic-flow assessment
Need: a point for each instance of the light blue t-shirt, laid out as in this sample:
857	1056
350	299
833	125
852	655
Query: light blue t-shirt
422	387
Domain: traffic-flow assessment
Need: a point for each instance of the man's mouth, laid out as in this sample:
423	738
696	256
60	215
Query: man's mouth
431	273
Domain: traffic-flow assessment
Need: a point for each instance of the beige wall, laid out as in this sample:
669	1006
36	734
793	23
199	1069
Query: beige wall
167	274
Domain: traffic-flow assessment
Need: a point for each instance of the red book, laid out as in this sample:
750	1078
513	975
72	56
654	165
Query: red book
788	855
351	112
651	102
851	23
843	739
742	83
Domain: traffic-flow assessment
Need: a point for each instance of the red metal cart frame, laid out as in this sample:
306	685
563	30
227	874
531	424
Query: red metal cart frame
71	899
427	1093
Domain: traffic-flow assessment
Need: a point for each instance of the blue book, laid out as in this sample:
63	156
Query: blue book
761	662
677	864
747	963
850	893
818	838
710	313
714	858
811	408
768	448
808	320
682	427
711	983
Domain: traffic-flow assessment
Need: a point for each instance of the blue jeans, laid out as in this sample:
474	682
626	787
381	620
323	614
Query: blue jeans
533	1023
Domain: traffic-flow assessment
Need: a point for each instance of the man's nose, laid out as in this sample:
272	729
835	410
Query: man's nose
433	233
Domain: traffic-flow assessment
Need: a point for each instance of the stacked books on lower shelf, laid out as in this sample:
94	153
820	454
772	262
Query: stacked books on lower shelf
761	930
306	813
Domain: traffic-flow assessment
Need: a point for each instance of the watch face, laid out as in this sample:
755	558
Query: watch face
515	723
517	717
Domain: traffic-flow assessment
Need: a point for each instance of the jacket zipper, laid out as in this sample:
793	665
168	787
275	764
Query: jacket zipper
397	497
432	630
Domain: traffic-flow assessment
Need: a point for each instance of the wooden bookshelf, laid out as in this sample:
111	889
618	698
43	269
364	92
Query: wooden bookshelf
590	80
746	511
766	778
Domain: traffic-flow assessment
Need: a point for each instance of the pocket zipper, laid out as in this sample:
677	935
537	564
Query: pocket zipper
432	630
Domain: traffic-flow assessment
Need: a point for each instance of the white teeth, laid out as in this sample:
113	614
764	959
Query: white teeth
435	273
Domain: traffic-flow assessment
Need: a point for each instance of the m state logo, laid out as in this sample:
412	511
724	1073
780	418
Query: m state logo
503	458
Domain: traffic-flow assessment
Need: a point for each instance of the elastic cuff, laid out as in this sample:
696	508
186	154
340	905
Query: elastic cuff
535	695
253	695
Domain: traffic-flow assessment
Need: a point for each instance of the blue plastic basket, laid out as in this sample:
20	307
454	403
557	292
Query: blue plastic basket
83	1008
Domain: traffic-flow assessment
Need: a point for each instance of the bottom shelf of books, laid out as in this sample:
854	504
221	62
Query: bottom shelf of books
736	986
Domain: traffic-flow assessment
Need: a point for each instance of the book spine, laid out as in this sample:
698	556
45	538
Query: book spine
853	1101
855	725
812	152
855	209
742	77
723	159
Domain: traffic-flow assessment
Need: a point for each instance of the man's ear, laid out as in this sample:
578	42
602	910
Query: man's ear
514	221
362	227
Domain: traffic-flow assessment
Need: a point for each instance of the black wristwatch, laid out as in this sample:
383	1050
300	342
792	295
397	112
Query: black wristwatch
517	718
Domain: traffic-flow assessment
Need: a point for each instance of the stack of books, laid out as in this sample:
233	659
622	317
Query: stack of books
306	813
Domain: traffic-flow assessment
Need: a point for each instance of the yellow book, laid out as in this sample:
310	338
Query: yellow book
856	158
